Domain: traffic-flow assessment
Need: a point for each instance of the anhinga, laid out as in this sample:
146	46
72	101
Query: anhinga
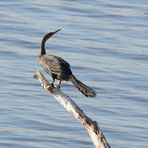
59	69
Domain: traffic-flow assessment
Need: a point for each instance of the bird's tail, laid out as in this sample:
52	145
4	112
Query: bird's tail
87	91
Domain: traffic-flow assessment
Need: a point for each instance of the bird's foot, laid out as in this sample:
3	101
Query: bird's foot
57	86
47	86
52	84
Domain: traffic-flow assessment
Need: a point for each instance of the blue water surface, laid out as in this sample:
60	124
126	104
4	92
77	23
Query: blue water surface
106	43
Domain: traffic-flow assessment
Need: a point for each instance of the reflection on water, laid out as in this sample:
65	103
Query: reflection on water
106	45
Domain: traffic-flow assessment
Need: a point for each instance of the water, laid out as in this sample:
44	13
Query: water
106	44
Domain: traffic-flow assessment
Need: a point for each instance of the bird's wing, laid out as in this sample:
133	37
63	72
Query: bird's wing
55	64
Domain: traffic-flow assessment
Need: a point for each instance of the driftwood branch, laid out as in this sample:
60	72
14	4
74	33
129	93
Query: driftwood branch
92	127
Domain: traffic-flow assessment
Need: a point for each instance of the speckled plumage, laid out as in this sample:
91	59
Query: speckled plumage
59	69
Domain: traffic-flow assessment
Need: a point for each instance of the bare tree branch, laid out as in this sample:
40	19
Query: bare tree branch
92	127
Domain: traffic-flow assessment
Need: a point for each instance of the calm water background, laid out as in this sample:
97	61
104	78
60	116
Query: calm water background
106	43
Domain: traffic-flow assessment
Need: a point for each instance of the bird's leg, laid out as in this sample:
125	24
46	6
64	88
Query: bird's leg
52	84
56	84
53	77
59	84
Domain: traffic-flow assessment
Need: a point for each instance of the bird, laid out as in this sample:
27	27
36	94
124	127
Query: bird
59	69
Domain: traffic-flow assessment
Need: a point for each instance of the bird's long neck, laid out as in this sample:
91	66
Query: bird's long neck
45	38
43	51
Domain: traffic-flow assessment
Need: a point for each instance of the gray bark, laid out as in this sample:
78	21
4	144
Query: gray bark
97	137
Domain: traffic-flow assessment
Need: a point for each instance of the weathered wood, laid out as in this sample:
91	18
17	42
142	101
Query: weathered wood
92	127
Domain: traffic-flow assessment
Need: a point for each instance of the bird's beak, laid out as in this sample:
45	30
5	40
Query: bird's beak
56	31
